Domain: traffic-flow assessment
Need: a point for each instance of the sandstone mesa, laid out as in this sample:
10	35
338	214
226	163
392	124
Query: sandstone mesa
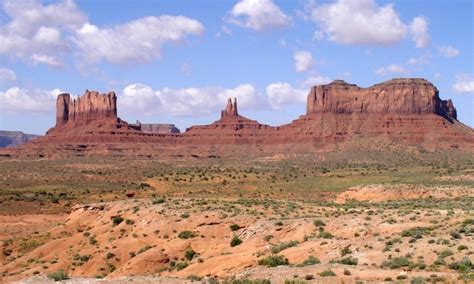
406	111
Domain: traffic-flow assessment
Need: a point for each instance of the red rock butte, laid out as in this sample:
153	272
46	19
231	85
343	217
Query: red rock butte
405	111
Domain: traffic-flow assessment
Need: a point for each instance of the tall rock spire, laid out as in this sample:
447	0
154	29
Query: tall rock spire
230	110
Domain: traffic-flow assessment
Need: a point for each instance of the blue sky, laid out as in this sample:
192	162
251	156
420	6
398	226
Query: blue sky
178	61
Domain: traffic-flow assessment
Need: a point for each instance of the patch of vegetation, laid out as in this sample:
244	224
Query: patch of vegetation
186	235
273	261
58	275
116	220
189	254
235	241
282	246
327	273
311	260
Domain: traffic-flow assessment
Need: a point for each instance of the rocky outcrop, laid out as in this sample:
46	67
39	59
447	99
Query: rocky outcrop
230	110
90	107
157	128
397	96
14	138
404	111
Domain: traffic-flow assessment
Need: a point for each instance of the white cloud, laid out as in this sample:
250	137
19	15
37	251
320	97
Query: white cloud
46	59
136	41
303	60
7	75
281	93
448	51
34	28
419	31
139	98
359	22
17	100
464	84
315	80
258	15
391	69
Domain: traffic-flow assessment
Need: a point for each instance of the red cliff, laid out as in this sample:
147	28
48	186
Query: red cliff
397	96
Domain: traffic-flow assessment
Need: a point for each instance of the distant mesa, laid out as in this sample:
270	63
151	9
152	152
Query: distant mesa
14	138
157	128
405	111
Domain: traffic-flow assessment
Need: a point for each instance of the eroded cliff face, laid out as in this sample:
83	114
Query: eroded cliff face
397	96
90	107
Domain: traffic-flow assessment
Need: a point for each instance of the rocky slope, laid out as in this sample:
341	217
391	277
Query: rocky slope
400	111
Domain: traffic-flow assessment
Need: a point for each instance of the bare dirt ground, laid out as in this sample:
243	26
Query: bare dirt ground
192	239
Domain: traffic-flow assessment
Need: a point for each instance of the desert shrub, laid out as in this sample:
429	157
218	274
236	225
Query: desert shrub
235	241
346	250
109	255
180	265
117	220
327	273
185	215
129	222
325	235
282	246
348	261
319	223
273	261
234	227
186	235
415	233
462	247
397	262
311	260
158	200
189	254
58	275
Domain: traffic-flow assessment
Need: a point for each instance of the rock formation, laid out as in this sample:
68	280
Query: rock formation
400	111
230	110
397	96
92	106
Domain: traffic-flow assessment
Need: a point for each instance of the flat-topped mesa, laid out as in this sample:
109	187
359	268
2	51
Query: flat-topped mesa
230	110
92	106
397	96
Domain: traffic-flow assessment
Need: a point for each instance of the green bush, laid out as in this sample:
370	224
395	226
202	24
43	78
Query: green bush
397	262
273	261
282	246
319	223
59	275
235	241
234	227
311	260
180	265
117	220
327	273
325	235
186	235
348	261
189	254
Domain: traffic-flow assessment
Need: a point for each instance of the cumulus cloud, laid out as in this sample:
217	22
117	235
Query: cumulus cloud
136	41
36	33
364	22
257	15
315	80
419	31
18	100
464	84
391	69
7	75
448	51
303	60
186	101
359	22
282	93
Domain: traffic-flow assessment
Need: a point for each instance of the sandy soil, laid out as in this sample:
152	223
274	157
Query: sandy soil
146	241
